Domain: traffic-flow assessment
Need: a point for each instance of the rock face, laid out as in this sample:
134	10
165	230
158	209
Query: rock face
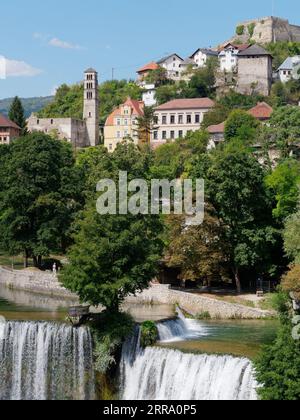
265	30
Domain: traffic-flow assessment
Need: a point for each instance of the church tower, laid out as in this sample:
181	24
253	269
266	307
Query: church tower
91	106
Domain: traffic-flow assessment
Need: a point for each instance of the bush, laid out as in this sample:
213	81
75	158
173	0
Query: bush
203	316
251	28
240	30
149	334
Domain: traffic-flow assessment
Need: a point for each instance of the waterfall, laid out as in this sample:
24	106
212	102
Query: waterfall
46	361
180	329
162	374
170	375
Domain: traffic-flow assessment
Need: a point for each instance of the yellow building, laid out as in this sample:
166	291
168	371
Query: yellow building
122	123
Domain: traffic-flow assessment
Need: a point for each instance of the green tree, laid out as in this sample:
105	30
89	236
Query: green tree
291	237
17	115
235	187
158	77
114	255
40	198
241	125
197	251
285	129
284	182
146	124
278	366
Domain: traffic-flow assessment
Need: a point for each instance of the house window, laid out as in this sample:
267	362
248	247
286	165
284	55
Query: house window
180	134
164	135
180	119
118	134
118	121
125	122
164	119
172	119
51	122
155	135
110	146
172	135
197	119
189	119
38	122
90	114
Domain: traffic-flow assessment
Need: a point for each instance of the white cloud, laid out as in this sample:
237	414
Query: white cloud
58	43
15	68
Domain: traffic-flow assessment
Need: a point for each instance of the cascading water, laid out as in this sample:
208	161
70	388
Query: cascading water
180	329
163	374
46	361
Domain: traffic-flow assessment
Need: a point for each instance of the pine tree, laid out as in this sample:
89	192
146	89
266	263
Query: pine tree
17	115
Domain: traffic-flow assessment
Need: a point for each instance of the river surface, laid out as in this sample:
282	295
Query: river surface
193	360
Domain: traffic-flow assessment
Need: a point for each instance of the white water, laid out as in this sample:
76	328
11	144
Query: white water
45	361
180	329
163	374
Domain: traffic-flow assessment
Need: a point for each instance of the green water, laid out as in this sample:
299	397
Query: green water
238	338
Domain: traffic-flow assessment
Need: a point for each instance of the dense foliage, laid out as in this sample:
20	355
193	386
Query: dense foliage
40	195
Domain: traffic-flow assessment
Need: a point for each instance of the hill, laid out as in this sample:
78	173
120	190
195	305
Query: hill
30	104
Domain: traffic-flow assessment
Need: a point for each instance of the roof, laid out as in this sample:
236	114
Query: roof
240	47
91	70
5	122
148	67
289	63
136	106
169	56
254	50
195	103
216	129
206	51
262	111
188	61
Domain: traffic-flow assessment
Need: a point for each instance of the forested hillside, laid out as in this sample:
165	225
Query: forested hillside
30	104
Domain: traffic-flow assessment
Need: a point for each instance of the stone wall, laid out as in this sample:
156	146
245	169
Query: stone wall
268	29
34	281
255	74
196	304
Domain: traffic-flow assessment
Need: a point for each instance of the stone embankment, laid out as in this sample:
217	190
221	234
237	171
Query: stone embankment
34	281
196	304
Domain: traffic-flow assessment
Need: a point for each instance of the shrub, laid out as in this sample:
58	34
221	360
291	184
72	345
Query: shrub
203	316
251	28
240	30
149	334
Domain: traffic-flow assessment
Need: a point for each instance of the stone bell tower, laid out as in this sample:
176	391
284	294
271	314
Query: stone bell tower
91	106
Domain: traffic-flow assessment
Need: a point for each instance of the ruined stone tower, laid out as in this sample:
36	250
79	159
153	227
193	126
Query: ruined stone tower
91	106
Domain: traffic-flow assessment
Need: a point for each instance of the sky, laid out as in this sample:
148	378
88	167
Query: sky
47	43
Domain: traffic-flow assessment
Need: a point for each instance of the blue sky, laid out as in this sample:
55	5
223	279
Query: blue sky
52	42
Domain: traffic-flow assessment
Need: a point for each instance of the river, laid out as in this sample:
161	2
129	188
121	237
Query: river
42	357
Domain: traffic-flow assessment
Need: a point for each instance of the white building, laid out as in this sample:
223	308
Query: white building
149	95
201	56
176	118
228	56
289	69
172	64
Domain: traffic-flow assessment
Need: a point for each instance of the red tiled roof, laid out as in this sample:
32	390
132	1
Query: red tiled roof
195	103
148	67
6	123
240	47
216	129
136	106
262	111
